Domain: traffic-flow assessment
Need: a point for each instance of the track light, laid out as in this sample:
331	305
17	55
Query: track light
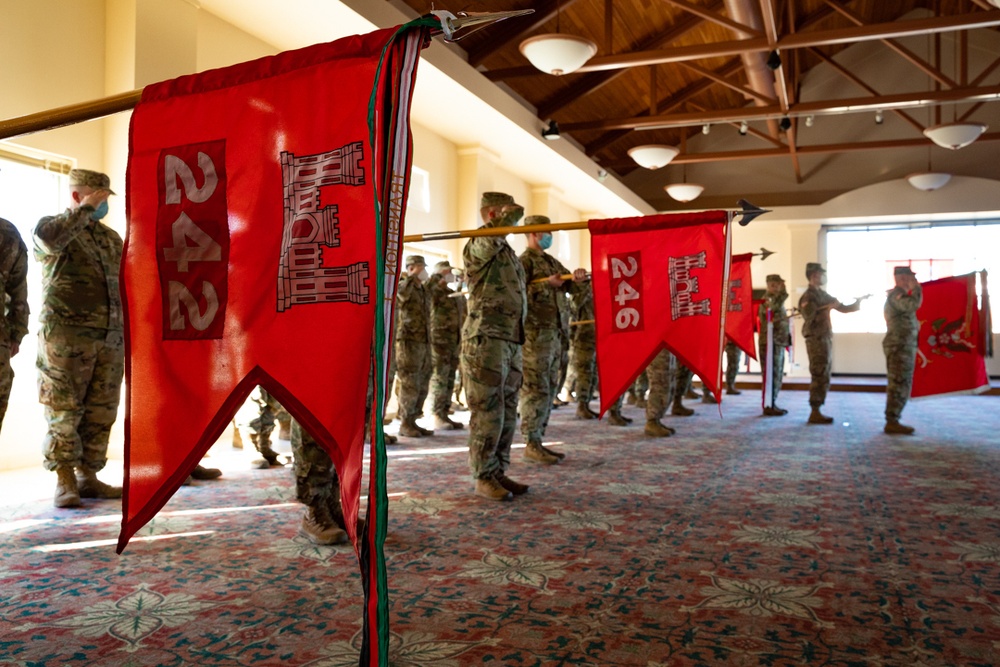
809	121
879	118
706	128
773	60
744	127
551	132
785	124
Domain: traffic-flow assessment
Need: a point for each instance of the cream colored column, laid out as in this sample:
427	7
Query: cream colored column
476	174
583	238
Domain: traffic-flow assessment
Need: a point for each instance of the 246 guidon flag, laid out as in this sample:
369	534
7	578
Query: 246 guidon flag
741	314
265	212
951	345
659	281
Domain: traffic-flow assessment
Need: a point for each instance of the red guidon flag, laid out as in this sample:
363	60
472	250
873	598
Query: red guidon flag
950	350
741	314
659	281
265	212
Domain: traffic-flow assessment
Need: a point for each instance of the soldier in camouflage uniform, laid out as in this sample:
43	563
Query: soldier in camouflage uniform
662	377
446	337
81	357
491	348
262	426
682	388
317	486
14	324
815	306
774	303
900	345
732	369
636	394
544	331
413	354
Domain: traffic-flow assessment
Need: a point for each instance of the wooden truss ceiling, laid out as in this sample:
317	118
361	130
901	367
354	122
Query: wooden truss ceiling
664	68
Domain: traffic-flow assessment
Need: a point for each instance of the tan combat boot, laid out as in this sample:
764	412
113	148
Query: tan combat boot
203	473
67	494
552	452
515	488
583	411
318	526
895	428
655	429
616	418
706	397
817	417
410	429
678	409
491	489
533	452
446	423
91	487
732	390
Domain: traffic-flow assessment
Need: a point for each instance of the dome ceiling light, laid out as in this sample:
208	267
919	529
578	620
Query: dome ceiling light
653	156
955	135
558	54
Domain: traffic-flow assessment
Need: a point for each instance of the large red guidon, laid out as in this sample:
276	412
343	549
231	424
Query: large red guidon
741	312
659	281
265	209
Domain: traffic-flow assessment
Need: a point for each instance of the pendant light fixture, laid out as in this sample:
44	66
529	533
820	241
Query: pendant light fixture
558	54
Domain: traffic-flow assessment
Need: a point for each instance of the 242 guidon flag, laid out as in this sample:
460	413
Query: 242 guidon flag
740	311
265	211
659	281
950	345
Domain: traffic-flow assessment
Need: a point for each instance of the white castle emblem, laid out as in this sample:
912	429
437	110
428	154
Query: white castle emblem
684	286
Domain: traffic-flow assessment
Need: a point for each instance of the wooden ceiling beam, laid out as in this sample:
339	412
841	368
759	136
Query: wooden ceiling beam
907	55
801	40
593	82
828	107
750	130
500	37
852	77
715	17
742	90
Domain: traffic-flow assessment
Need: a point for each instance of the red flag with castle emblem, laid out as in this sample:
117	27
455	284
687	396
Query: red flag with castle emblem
950	350
740	310
659	281
265	212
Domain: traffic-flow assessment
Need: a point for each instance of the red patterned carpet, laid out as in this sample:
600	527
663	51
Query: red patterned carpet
740	541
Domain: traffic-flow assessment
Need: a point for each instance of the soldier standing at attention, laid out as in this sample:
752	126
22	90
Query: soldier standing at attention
446	336
491	348
544	332
682	387
81	354
662	374
14	324
774	303
413	354
815	306
900	345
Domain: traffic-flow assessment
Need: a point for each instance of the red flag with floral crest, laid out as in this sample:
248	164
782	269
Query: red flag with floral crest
740	309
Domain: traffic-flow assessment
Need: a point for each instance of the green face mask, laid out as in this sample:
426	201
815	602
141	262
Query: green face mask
510	218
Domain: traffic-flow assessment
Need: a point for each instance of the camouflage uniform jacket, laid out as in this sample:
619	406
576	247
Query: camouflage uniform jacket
582	310
446	312
413	311
776	304
497	304
80	260
13	273
901	316
547	307
815	318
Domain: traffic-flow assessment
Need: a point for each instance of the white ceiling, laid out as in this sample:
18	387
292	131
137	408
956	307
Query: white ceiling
451	98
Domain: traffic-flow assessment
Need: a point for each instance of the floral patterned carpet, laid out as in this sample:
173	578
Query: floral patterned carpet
742	540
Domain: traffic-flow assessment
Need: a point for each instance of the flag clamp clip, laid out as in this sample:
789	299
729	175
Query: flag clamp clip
451	24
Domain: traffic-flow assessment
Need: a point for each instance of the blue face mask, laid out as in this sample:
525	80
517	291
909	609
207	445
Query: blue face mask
545	242
100	211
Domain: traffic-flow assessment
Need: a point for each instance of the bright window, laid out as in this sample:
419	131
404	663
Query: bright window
860	261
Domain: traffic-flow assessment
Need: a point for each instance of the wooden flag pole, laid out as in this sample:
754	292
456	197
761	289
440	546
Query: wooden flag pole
494	231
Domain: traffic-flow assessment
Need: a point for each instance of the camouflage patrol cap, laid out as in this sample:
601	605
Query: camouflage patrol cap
902	271
813	267
415	259
443	265
496	199
774	278
537	220
90	179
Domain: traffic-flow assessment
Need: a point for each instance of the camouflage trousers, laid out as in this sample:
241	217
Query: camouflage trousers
899	364
316	479
6	380
682	379
444	359
778	372
270	413
413	371
491	369
542	353
80	373
565	370
820	351
584	354
640	386
733	354
662	374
